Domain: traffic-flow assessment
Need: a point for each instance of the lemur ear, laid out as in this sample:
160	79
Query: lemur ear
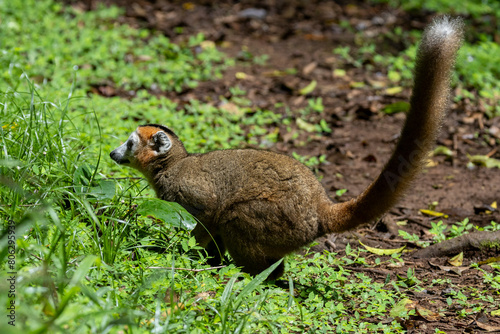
162	142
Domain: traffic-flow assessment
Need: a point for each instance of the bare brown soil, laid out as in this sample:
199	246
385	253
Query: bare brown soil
301	35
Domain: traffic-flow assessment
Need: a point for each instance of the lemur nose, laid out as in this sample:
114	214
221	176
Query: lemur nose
113	156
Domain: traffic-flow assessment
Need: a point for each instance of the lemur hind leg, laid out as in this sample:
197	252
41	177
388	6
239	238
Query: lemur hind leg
248	253
212	243
215	250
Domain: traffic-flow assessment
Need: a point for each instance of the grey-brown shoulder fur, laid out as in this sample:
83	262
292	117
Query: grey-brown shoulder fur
260	205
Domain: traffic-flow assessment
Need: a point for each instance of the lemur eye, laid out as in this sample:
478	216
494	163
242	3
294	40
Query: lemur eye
130	143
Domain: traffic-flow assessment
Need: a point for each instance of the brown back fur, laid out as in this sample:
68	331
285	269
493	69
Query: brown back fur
261	205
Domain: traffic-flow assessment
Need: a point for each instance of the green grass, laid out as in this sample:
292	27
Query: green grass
89	255
86	262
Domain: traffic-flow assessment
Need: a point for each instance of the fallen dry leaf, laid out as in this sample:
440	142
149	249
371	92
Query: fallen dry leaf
241	75
232	109
309	68
457	260
338	73
433	213
427	314
396	265
490	260
487	327
379	251
309	88
393	90
456	270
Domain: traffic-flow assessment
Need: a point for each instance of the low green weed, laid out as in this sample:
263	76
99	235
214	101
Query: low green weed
473	69
476	8
477	69
494	226
312	162
438	230
412	237
476	73
441	231
409	281
101	51
460	228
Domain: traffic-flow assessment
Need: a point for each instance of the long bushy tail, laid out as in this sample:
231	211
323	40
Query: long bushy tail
434	64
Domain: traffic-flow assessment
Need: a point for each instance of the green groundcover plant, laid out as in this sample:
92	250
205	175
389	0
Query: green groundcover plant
83	246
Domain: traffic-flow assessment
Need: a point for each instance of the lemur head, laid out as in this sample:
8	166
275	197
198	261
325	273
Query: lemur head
144	144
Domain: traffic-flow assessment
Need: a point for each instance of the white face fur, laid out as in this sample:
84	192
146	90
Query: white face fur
141	145
125	152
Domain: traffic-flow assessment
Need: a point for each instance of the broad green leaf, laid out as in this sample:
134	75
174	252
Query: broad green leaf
225	298
394	76
168	212
82	178
105	189
340	192
84	184
82	270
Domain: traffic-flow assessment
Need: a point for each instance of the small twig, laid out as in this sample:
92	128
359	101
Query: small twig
419	222
493	151
36	257
480	121
187	269
391	225
455	151
330	244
